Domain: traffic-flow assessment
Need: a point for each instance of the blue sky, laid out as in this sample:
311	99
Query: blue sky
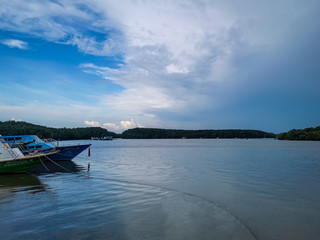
167	64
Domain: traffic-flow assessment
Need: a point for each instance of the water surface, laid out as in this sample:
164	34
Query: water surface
170	189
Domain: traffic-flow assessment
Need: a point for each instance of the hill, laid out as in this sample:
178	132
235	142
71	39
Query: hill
24	128
152	133
301	134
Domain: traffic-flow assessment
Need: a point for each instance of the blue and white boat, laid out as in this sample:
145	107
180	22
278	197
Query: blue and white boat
13	161
32	143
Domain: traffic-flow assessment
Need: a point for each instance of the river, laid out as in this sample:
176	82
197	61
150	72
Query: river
170	189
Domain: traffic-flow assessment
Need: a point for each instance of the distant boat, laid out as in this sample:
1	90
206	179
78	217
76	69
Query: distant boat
13	161
32	143
107	138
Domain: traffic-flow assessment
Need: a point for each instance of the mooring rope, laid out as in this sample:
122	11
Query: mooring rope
44	164
57	164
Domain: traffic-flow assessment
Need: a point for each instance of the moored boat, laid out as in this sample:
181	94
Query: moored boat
107	138
32	143
13	161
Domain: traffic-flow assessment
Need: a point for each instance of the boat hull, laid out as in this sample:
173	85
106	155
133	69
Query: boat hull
24	164
69	152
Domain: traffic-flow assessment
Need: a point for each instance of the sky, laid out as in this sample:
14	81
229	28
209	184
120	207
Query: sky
175	64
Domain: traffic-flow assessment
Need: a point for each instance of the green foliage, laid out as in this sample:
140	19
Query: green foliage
301	134
148	133
23	128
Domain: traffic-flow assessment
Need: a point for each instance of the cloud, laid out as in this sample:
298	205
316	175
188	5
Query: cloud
92	124
130	124
124	125
15	120
15	43
179	54
72	23
172	68
185	57
181	59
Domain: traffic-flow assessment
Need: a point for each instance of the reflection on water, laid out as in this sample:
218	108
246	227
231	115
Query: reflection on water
10	184
18	180
57	166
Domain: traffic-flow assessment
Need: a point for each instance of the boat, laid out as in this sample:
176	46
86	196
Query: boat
12	160
106	138
32	143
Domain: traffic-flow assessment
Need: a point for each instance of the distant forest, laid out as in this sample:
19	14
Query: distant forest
301	134
23	128
148	133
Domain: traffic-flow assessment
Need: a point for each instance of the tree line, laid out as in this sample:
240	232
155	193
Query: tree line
301	134
153	133
9	128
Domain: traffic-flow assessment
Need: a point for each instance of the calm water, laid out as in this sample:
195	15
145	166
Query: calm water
170	189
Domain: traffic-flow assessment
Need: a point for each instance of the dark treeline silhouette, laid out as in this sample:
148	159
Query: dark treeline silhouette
301	134
23	128
148	133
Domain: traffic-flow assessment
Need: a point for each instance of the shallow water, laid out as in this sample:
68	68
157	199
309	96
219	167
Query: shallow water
170	189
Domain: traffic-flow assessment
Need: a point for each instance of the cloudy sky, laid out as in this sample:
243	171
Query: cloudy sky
208	64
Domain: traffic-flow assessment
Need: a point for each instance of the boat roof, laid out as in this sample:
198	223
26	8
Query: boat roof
32	139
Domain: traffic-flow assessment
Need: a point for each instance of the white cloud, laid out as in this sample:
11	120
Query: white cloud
130	124
92	124
15	43
124	125
173	68
64	22
15	120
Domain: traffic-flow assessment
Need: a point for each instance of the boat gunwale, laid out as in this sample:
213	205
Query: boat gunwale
30	156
